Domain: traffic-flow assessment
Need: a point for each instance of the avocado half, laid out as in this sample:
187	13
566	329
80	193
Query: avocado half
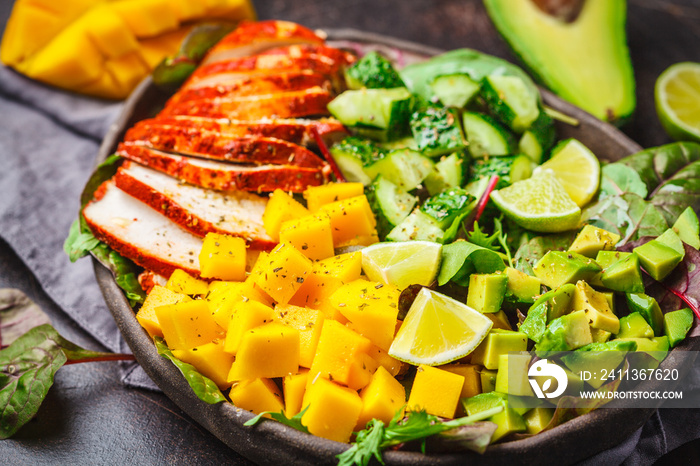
580	54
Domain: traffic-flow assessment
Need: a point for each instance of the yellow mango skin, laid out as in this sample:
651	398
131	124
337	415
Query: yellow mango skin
332	411
210	360
257	395
182	282
381	398
351	219
338	348
246	316
309	323
280	208
223	257
436	391
283	273
318	196
268	351
187	324
310	234
294	387
159	296
372	308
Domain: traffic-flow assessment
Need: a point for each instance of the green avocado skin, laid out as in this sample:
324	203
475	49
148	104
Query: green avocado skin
585	61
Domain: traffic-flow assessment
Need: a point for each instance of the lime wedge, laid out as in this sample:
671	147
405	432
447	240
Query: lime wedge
402	263
539	203
677	95
576	168
437	330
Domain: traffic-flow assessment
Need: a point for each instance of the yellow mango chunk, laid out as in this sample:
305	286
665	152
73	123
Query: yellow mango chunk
257	395
391	364
310	234
382	398
362	367
318	196
109	32
372	308
331	312
436	391
159	296
147	18
350	219
332	410
182	282
187	324
224	297
210	360
283	273
270	350
309	322
294	387
223	257
345	267
472	380
338	348
280	208
246	316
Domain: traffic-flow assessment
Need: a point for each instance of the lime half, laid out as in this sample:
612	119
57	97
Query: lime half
438	329
402	263
539	203
677	95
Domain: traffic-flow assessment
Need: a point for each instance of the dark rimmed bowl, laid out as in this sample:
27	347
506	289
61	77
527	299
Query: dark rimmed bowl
271	442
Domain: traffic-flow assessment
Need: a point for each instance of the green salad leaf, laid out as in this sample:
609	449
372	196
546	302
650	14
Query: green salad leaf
462	258
627	215
293	422
617	179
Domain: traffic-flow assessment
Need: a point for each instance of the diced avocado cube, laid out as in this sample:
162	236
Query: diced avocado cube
610	298
672	240
537	419
521	287
635	326
658	259
605	259
648	308
591	240
535	323
373	71
437	131
574	383
657	347
558	301
687	227
512	375
559	267
500	320
454	90
483	402
677	324
624	275
596	357
566	333
498	342
488	380
448	206
596	307
508	420
599	335
486	291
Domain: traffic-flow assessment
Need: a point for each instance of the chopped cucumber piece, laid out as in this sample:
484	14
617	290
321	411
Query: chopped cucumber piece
419	227
486	137
449	172
509	169
403	143
537	141
352	154
403	167
448	206
389	204
455	90
377	113
510	100
437	131
373	71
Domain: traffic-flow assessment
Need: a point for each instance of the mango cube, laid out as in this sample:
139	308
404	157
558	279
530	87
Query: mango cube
436	391
309	323
310	234
247	316
257	395
318	196
268	351
338	347
182	282
345	267
294	387
280	208
187	324
381	398
332	410
210	360
327	276
283	273
159	296
472	378
223	257
391	364
147	18
362	367
350	219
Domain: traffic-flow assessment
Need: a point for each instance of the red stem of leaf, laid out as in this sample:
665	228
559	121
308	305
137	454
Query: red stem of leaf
110	357
327	155
481	205
680	296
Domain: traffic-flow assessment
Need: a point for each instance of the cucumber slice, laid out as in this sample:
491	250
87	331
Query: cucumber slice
510	101
373	71
447	206
353	154
437	131
538	141
419	227
486	137
403	143
387	110
449	172
389	204
403	167
455	90
509	169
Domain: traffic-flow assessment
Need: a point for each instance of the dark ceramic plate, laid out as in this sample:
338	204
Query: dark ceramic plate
271	442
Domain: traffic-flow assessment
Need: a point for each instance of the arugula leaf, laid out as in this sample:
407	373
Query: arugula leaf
18	314
367	445
617	178
462	258
529	253
627	215
203	387
294	421
481	238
